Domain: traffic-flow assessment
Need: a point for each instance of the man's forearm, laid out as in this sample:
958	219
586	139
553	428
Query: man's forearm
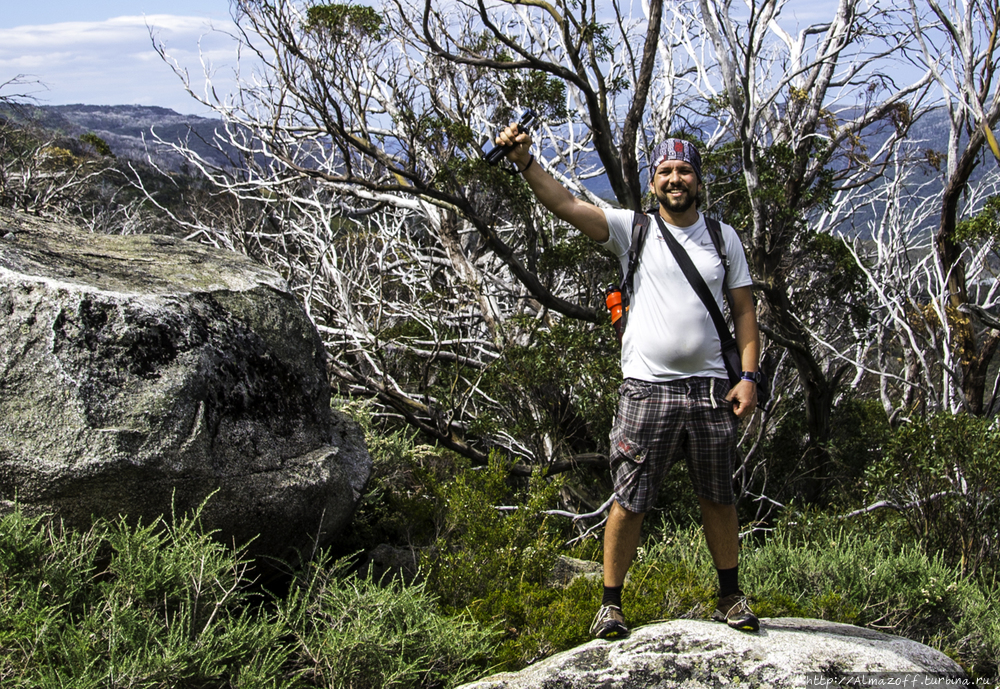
748	340
744	393
585	217
745	324
549	192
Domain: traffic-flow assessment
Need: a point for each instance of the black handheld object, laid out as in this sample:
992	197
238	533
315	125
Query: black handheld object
497	153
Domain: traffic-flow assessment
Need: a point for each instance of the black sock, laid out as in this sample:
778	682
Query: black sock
612	596
729	581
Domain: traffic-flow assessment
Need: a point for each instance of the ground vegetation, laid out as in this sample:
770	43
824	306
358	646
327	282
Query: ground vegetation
466	331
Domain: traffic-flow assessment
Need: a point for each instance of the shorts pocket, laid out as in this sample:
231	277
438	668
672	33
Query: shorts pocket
630	473
635	389
625	449
720	388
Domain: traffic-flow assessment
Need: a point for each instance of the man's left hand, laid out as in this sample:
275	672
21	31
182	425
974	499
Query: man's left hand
744	398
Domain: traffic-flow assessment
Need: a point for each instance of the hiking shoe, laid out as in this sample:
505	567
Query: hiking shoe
735	611
609	623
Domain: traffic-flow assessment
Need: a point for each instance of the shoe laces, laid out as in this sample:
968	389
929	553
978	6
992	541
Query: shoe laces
737	603
605	613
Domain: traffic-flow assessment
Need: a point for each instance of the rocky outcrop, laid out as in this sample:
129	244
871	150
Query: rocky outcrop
141	374
696	654
387	563
566	570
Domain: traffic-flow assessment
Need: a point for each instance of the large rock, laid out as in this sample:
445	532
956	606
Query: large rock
566	570
696	654
139	375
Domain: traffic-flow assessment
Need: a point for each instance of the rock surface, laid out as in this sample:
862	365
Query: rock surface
787	652
567	569
387	563
141	374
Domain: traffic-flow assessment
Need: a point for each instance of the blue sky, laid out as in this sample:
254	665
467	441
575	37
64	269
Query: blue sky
99	51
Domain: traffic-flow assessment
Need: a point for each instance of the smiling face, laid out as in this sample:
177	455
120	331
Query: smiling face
676	186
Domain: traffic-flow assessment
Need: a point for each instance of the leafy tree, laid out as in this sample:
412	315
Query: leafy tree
794	115
434	278
98	144
423	267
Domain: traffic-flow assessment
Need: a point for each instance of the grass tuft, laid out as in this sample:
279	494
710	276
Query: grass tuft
165	606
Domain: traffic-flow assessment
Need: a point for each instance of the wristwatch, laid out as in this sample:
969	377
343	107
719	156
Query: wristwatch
752	376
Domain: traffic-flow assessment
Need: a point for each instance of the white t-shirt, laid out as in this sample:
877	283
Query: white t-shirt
670	334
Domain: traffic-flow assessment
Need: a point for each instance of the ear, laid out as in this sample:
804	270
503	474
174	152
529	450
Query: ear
652	178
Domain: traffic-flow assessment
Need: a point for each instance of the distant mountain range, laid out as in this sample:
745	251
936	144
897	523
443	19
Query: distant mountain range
125	128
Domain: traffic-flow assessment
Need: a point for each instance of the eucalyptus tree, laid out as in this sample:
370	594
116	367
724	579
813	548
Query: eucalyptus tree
909	344
808	117
932	258
354	166
959	46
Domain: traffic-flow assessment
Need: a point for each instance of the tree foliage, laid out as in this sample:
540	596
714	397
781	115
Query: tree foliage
423	267
435	278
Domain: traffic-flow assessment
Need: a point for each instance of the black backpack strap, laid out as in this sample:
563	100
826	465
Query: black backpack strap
624	289
730	353
640	223
715	232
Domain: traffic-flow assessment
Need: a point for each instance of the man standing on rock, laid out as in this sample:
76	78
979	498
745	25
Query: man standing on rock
676	399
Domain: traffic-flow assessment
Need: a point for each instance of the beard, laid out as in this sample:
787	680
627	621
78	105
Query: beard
676	205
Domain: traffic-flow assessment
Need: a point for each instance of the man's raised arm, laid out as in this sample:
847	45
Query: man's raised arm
584	216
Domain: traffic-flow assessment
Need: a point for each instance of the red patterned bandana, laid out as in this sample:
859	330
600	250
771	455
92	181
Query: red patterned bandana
677	149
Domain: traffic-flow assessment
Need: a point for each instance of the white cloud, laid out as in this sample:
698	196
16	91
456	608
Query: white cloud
113	62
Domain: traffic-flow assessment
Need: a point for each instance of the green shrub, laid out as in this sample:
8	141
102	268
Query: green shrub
943	474
403	501
859	433
165	606
355	633
535	620
496	564
868	578
98	144
553	394
156	606
485	549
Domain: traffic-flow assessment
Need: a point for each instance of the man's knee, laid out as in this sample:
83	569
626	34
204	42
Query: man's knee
716	506
624	514
717	511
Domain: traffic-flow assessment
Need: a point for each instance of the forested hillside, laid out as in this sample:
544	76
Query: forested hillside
465	325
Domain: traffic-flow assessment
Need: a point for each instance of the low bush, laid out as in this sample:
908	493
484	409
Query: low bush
873	579
943	476
151	606
492	528
165	606
494	556
858	439
352	632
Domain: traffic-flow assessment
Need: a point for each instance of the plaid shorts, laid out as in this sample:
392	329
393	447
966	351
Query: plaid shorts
658	422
